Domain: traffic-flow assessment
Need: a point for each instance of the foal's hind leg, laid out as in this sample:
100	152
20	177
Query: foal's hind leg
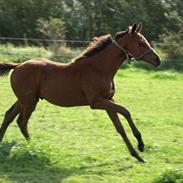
22	121
8	118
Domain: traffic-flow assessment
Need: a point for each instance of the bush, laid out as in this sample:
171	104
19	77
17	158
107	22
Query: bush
172	45
54	29
66	54
10	53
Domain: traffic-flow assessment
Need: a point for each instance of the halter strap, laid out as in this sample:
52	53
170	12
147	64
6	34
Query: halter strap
129	54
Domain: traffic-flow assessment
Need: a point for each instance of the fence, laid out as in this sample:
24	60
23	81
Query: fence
21	49
43	41
33	41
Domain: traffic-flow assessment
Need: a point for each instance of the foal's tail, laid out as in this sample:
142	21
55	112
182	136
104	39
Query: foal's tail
5	68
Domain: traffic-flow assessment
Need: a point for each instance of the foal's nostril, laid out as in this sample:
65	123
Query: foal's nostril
158	62
158	59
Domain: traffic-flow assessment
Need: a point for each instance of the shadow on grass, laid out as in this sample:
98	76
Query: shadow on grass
27	168
20	166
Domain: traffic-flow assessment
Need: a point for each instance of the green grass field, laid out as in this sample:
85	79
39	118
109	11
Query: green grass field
80	145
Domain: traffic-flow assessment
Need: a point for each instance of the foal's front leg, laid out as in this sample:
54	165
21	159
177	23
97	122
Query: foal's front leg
119	127
112	110
123	111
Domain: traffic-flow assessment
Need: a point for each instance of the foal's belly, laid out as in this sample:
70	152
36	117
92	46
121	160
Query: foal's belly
64	96
66	101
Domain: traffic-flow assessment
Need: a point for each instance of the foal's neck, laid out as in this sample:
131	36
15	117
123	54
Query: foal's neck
109	60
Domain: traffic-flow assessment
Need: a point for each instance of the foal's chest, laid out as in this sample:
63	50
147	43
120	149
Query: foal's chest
107	89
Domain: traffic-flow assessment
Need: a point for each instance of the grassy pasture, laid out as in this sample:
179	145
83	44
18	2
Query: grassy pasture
80	145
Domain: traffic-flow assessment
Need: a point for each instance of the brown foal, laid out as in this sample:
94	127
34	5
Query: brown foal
88	80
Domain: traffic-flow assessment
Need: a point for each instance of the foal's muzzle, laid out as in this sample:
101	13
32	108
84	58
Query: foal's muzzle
157	62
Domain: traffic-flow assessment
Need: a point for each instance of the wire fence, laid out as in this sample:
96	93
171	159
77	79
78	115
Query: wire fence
36	40
20	49
43	42
14	49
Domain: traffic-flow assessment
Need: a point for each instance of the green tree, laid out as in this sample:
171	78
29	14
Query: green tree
54	29
85	19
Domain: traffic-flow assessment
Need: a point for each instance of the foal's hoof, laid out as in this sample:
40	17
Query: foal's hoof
141	160
27	138
141	147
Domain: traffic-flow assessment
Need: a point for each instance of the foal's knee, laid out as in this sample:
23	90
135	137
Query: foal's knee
137	134
126	113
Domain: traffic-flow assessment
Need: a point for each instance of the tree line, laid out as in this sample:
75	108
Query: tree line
82	19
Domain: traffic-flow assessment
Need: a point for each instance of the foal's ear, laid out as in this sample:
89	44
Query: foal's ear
139	27
117	35
120	34
134	28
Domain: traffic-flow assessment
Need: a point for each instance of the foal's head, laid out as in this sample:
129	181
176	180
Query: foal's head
137	45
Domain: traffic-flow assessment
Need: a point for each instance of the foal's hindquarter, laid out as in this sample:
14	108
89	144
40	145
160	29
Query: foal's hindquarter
34	79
